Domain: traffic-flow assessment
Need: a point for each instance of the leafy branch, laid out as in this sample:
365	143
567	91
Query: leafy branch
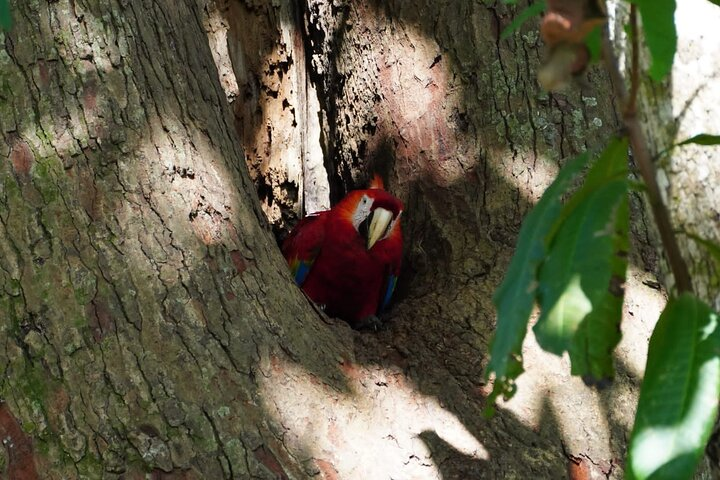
571	259
642	157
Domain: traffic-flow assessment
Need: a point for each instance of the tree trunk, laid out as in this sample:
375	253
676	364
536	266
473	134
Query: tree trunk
149	322
426	92
144	303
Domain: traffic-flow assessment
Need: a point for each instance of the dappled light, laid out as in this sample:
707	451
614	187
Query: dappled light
198	188
644	301
275	107
548	379
435	132
424	107
373	431
690	111
530	184
141	293
471	143
152	326
415	86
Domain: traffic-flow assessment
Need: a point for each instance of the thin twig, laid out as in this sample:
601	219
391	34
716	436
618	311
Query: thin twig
643	160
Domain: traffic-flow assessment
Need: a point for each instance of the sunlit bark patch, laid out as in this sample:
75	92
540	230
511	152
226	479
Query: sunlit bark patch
418	105
259	53
375	431
690	175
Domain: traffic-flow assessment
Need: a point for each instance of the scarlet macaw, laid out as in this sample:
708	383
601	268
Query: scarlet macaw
347	259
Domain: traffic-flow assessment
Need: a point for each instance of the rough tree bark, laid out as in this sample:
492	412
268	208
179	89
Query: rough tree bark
148	322
144	303
427	92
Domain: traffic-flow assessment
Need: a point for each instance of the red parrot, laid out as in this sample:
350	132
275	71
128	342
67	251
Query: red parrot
347	259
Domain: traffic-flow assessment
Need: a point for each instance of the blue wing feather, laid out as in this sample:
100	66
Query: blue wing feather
303	245
389	289
301	270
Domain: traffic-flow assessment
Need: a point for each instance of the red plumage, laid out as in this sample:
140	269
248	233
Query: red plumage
347	259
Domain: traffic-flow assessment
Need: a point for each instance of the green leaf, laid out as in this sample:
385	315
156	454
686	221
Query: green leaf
532	10
5	15
577	271
716	2
658	20
701	139
515	297
679	395
581	278
593	42
611	165
704	139
591	349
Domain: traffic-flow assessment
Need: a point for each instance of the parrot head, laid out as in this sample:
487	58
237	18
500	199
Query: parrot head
374	214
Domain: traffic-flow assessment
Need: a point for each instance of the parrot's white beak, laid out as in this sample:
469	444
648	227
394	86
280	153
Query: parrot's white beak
378	225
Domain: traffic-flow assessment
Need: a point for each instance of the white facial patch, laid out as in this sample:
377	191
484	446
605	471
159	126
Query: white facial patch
362	211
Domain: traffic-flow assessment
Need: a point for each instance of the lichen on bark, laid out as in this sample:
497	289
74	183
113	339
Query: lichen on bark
135	269
150	323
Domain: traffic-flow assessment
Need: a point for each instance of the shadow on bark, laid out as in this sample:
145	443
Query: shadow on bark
141	295
530	457
468	169
183	341
473	142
